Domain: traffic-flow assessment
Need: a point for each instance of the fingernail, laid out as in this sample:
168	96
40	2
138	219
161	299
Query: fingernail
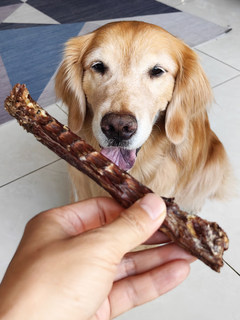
153	205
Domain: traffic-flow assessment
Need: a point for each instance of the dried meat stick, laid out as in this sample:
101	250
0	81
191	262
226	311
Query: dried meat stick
203	239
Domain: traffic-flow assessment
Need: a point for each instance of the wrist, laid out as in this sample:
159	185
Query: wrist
11	308
18	300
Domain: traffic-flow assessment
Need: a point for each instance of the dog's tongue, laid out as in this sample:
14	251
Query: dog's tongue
123	158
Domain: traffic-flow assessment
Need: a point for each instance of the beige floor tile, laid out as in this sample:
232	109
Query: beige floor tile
24	198
20	151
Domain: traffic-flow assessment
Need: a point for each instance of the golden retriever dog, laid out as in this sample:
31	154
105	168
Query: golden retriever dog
139	95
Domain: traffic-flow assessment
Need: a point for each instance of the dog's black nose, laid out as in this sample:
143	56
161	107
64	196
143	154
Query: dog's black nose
118	126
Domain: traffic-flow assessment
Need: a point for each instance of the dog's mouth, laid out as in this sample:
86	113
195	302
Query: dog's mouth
123	158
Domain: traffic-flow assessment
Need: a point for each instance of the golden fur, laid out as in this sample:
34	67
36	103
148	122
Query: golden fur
180	156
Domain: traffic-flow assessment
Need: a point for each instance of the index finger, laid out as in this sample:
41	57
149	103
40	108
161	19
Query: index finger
87	214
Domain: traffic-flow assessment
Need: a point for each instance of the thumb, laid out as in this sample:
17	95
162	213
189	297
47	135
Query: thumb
137	223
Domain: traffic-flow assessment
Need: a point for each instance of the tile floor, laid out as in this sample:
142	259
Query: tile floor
33	179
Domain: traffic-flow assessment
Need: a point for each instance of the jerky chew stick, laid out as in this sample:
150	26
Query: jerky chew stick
203	239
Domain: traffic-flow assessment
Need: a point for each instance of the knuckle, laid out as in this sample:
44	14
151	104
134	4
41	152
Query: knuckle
129	265
32	222
38	219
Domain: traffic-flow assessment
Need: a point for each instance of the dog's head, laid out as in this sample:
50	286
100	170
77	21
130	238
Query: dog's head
127	74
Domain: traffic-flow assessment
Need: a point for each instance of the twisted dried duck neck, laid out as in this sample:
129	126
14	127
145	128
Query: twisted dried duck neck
203	239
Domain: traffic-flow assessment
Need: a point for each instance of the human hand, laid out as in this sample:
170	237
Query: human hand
73	262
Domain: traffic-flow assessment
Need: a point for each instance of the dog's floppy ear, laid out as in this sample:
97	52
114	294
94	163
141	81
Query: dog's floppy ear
68	82
192	94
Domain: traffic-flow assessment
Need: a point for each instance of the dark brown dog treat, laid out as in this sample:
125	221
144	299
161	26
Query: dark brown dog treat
203	239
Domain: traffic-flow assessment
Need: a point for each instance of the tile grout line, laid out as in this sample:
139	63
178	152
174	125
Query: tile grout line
226	81
59	107
226	64
27	174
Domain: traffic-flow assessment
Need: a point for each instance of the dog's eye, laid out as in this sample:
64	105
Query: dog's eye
99	67
156	71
